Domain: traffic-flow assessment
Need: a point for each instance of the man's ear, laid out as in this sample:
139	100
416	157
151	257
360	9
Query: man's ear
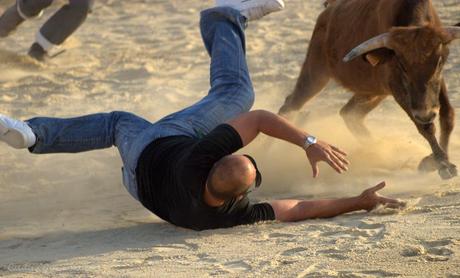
378	56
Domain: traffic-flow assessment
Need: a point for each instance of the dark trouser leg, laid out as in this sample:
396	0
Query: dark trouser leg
60	26
19	12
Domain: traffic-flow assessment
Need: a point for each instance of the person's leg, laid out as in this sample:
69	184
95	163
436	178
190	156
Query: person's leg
60	26
231	90
53	135
19	12
86	133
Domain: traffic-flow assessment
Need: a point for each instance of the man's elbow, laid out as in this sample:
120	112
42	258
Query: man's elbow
263	117
261	113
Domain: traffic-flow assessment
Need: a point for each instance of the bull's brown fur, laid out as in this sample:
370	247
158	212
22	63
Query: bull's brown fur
427	39
409	68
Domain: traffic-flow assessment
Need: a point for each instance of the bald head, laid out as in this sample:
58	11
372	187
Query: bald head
231	176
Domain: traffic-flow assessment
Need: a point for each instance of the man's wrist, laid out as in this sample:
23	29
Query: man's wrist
309	141
361	203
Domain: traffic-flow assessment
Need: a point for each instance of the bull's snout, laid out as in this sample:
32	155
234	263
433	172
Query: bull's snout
425	116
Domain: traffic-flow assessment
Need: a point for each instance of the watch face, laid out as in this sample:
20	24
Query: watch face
311	140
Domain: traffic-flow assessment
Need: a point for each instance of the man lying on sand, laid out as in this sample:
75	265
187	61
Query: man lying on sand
182	168
55	31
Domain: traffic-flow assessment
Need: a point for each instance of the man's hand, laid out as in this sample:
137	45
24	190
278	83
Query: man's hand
296	210
321	151
370	199
250	124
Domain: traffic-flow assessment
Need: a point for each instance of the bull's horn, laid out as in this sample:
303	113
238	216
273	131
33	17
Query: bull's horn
454	31
369	45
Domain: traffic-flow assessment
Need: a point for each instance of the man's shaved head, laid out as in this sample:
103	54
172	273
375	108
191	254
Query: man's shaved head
231	176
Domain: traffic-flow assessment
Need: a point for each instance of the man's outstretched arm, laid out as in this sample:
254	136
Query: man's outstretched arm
298	210
249	125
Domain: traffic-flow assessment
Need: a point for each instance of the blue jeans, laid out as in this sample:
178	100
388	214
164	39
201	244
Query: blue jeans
231	94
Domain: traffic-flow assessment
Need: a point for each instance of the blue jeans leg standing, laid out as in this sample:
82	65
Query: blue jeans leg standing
231	94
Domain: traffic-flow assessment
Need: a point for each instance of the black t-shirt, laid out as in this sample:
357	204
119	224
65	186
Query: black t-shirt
171	177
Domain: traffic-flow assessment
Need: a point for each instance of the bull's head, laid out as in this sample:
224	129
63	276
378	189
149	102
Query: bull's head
417	56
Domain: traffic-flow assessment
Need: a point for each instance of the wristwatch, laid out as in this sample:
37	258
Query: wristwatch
310	140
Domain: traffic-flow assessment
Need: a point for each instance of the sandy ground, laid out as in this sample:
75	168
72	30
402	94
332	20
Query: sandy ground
69	215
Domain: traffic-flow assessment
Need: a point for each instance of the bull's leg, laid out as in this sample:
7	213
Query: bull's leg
446	119
356	110
446	169
438	160
313	76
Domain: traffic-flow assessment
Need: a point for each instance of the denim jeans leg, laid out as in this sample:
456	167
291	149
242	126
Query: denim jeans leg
86	133
231	92
92	132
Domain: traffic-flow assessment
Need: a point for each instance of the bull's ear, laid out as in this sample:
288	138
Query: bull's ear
378	56
458	24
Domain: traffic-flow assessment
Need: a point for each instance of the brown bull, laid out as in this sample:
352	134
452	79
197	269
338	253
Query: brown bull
403	48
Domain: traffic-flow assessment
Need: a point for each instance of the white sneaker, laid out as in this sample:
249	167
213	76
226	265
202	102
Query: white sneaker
16	133
253	9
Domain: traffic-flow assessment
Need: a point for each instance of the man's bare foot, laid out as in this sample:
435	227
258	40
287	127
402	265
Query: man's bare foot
370	199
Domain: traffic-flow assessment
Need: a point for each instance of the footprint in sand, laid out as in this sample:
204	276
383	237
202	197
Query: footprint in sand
438	250
334	253
434	251
236	267
358	230
286	257
25	267
413	251
154	258
293	251
168	248
366	233
203	257
282	237
370	273
127	264
355	274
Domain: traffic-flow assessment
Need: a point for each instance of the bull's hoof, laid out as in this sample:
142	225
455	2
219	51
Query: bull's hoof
428	164
447	171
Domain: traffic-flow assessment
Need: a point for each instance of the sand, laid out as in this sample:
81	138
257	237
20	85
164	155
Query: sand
69	215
